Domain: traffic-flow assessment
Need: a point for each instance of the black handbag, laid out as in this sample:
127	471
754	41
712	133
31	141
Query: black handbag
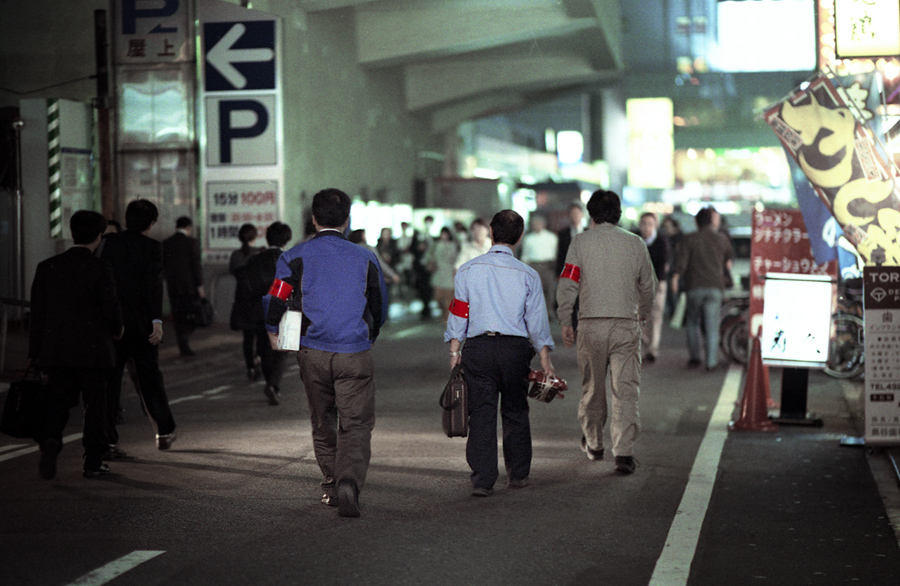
202	313
454	400
25	407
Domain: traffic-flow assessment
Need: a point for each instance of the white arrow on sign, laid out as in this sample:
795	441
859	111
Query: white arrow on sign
221	56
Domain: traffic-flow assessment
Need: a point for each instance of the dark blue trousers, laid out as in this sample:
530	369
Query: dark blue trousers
496	371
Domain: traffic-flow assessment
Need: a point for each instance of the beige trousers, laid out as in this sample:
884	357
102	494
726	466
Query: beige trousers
653	326
609	346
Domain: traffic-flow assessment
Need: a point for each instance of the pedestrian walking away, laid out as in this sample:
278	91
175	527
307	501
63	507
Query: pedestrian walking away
498	322
340	290
608	270
136	261
239	320
253	281
702	260
75	315
184	280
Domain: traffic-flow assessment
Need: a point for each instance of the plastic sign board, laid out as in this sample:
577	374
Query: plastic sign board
239	55
797	320
153	31
881	286
869	28
232	204
241	118
241	131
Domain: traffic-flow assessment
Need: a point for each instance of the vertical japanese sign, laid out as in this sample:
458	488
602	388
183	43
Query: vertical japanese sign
242	162
882	330
779	244
843	162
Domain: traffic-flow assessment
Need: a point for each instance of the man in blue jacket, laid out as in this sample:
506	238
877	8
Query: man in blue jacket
340	290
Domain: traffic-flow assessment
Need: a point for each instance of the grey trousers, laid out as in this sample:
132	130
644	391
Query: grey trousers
613	346
341	394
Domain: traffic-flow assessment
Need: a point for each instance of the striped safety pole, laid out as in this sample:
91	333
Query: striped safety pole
54	151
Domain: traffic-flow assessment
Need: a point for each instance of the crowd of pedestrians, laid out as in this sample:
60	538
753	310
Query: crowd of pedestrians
496	287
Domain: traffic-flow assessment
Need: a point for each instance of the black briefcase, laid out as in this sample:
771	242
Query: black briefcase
25	407
455	402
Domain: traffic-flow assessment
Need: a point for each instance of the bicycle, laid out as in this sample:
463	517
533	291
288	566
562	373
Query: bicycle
734	334
847	348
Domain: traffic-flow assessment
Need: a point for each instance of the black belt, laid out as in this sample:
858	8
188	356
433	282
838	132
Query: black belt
497	335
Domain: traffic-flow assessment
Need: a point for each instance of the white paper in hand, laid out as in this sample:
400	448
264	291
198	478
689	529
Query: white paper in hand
289	330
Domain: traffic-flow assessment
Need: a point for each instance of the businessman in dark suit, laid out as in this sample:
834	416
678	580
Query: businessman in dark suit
184	280
565	236
75	314
136	260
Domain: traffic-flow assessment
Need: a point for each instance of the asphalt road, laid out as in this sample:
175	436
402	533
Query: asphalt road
235	501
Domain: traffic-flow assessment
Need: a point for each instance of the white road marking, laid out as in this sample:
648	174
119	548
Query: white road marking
115	568
34	448
674	564
205	395
12	447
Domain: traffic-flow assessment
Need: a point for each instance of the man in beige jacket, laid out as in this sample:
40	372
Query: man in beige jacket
608	270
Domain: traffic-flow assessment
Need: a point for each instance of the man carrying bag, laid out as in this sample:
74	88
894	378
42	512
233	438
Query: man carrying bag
498	322
75	315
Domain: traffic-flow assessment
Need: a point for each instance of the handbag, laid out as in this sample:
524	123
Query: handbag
25	407
454	400
202	313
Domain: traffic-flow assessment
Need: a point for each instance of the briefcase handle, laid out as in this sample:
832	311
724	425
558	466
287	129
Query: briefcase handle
455	375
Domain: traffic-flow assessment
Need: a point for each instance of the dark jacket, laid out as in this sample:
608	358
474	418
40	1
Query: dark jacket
181	265
75	312
253	281
660	256
137	265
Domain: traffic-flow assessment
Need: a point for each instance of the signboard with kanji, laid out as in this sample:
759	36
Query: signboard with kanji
232	204
779	244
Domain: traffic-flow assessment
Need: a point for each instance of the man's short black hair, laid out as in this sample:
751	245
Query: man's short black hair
183	222
704	217
507	227
331	208
605	206
140	215
278	234
86	226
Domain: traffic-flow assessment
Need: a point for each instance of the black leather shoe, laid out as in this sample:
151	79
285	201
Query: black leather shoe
482	491
95	472
348	498
49	451
165	441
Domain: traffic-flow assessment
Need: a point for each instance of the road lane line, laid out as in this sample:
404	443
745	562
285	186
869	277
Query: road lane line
674	564
34	448
217	390
205	395
12	447
116	568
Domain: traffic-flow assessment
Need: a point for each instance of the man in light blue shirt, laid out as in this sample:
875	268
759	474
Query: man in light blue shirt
498	322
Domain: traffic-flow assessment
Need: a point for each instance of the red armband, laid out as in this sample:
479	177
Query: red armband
459	308
571	272
280	289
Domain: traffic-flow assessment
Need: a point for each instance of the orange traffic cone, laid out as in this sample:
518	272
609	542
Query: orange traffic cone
757	395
